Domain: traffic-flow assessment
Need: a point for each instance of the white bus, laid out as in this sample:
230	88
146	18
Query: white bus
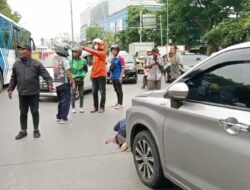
11	34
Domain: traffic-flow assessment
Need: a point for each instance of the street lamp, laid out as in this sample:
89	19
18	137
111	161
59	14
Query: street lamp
167	25
72	25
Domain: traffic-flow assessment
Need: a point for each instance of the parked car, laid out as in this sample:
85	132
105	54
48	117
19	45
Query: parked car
48	64
188	60
196	132
130	74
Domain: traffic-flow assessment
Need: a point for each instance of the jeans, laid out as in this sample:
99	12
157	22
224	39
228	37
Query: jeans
26	102
118	89
99	84
80	87
64	96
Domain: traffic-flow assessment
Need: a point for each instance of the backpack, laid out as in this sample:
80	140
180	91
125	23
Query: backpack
59	71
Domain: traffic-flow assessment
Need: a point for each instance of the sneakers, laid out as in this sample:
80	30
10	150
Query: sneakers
36	134
118	106
62	121
74	110
21	135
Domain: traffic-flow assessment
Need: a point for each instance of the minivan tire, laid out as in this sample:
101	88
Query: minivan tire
148	166
1	81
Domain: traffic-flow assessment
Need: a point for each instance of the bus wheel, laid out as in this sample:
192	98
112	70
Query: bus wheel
1	82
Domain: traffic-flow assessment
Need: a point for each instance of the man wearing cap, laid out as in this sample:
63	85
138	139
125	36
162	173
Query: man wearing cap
25	76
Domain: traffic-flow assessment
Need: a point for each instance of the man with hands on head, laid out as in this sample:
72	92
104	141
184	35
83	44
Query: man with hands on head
25	76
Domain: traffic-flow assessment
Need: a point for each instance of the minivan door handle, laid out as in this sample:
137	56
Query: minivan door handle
233	127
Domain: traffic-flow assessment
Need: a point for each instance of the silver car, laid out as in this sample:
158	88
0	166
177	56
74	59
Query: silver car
196	132
48	64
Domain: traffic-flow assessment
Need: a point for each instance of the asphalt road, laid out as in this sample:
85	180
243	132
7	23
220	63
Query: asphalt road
66	157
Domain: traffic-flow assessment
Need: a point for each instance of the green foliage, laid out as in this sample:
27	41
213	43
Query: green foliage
94	32
229	32
6	10
97	32
189	20
131	34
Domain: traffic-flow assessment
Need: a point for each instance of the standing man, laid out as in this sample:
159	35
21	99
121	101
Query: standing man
117	69
156	67
63	79
79	68
175	67
25	75
146	71
98	74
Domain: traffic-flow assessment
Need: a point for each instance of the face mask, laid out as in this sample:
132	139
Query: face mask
96	46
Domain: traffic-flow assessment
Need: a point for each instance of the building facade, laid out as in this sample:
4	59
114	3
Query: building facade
112	14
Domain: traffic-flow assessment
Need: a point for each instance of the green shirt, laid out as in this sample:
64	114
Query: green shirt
78	68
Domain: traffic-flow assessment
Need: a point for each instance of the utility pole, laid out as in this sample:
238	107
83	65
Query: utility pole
72	25
140	30
161	30
167	26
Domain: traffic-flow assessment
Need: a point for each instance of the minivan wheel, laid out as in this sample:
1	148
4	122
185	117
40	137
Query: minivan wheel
1	82
147	160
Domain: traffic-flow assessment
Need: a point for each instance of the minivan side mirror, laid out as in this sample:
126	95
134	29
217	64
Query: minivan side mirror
178	91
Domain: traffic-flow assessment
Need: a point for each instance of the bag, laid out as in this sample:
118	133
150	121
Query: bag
59	71
85	68
161	68
112	67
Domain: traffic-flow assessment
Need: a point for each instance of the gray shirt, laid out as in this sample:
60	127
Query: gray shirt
175	71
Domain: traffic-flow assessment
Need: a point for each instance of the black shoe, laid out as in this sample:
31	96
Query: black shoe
36	134
94	110
21	135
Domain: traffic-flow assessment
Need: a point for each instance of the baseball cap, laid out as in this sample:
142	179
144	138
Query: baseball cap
24	46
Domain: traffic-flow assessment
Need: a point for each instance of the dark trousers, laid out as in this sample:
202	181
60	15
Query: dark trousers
145	81
26	102
64	96
80	87
99	84
118	89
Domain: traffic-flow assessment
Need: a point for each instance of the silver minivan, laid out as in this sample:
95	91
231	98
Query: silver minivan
196	132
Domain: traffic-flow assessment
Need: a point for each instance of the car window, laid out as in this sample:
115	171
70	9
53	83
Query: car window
129	59
226	84
191	60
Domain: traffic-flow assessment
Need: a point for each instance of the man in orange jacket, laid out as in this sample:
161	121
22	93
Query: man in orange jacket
98	74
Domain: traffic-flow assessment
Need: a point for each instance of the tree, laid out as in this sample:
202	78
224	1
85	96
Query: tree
94	32
191	19
98	32
229	32
6	10
131	33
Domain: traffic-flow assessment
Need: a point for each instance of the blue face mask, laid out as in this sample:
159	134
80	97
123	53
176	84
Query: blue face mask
96	46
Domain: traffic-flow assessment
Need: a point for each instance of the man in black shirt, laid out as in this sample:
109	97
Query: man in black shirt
25	75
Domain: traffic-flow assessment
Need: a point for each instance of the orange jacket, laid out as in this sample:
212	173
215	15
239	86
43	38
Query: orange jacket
99	63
